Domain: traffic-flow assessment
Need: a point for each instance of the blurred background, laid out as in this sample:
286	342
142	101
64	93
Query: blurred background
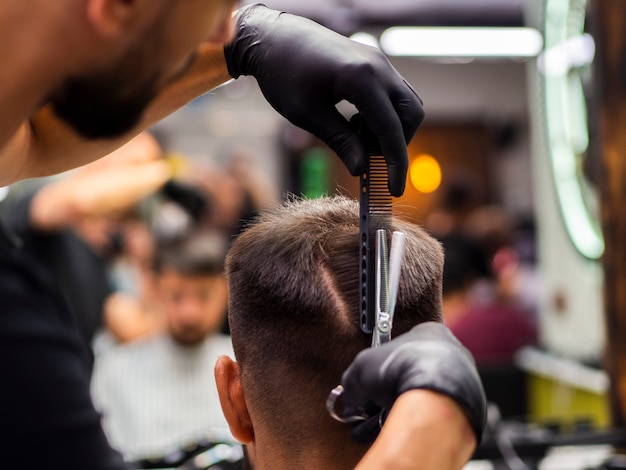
507	171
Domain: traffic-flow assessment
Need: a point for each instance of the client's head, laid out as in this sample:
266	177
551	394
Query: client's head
294	319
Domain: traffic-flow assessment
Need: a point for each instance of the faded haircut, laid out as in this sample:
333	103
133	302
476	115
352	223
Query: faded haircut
293	305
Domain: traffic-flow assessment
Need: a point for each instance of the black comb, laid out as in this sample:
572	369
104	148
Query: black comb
375	214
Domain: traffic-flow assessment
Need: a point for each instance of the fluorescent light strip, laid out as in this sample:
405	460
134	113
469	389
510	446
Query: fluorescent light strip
461	42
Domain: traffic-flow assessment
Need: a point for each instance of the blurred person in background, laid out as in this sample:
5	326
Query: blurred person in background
174	210
483	281
465	268
72	226
481	312
509	246
492	327
157	394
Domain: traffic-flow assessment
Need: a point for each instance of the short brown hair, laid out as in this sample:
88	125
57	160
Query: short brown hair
293	306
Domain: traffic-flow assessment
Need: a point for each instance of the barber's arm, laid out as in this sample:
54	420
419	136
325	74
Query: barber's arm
424	431
438	407
113	184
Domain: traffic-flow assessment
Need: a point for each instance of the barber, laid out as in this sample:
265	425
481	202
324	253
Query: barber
81	77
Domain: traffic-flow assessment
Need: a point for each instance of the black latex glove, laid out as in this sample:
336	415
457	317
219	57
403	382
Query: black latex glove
304	70
427	357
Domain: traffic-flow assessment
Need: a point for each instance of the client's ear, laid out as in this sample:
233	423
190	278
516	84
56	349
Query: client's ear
233	400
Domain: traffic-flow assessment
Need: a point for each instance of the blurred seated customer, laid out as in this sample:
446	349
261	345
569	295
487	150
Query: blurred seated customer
510	248
69	224
158	393
293	278
466	276
134	311
492	328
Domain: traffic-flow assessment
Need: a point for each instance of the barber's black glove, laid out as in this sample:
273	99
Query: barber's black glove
304	70
427	357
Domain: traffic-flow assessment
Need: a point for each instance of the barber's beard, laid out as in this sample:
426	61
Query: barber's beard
109	102
105	105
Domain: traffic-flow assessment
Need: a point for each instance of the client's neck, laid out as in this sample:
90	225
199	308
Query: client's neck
313	453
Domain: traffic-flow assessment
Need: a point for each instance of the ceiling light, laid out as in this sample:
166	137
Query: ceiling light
462	42
425	173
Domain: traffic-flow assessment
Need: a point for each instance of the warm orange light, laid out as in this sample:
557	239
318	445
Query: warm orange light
425	173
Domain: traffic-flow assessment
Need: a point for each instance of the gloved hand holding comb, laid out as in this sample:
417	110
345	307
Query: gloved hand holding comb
304	70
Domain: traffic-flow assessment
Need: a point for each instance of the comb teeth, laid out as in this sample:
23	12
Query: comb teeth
379	197
375	213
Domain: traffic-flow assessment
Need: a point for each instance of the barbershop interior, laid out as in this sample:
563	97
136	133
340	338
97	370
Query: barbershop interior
518	171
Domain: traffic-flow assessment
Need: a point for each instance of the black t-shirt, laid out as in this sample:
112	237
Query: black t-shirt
47	419
79	272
